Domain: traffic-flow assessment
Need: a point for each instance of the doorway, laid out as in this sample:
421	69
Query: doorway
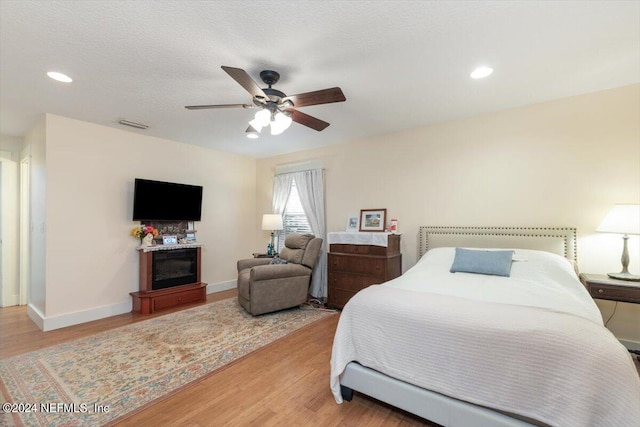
25	221
9	240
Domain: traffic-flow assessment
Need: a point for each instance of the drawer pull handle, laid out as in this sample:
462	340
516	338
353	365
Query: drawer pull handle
601	291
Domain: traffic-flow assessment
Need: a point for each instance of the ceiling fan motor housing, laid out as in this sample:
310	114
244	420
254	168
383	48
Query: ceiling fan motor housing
270	77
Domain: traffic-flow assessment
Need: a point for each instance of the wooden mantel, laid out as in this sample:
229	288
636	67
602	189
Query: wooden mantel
147	300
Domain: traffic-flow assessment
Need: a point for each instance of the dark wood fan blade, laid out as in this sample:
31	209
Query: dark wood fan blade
207	107
307	120
324	96
245	81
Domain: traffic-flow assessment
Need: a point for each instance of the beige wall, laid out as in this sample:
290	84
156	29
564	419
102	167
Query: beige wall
560	163
91	261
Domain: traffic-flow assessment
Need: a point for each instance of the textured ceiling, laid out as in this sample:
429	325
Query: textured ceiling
401	64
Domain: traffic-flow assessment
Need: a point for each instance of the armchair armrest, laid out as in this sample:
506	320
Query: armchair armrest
278	271
252	262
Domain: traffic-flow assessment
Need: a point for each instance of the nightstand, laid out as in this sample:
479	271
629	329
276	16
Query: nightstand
263	255
604	287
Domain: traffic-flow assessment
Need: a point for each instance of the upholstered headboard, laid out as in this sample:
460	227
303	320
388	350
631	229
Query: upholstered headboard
558	240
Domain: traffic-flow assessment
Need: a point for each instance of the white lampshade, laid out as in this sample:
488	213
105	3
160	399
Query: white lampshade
280	123
251	132
256	124
272	222
621	219
261	119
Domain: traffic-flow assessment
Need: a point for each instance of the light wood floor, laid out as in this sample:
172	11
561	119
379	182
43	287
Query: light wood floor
285	383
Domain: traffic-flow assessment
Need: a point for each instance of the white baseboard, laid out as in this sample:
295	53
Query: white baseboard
35	315
222	286
64	320
70	319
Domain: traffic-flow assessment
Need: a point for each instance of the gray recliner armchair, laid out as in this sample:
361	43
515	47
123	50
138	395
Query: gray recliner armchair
264	287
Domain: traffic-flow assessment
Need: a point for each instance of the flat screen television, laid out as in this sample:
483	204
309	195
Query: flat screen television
166	201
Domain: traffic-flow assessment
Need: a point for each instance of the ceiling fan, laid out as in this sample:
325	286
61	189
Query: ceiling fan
277	110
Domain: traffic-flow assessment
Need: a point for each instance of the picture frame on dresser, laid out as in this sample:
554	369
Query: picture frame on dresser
352	224
373	219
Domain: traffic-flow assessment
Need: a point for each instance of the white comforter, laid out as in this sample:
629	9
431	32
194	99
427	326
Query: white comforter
532	344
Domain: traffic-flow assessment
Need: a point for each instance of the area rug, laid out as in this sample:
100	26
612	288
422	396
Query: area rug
95	380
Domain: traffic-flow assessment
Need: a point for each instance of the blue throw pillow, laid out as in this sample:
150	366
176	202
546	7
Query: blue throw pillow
277	260
496	263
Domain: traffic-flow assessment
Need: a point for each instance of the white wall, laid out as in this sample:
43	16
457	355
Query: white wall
10	148
560	163
91	261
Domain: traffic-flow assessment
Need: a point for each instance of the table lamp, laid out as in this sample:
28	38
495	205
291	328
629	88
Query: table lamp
273	223
622	219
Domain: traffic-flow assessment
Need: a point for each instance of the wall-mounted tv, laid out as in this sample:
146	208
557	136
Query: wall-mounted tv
166	201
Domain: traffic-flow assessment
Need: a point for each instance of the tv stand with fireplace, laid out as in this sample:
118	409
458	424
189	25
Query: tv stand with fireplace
169	277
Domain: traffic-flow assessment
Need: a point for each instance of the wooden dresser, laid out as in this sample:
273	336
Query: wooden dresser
352	267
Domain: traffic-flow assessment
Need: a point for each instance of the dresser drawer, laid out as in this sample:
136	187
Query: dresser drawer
179	298
351	282
338	298
350	249
367	265
358	249
617	293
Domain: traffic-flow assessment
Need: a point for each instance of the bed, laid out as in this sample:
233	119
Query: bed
473	350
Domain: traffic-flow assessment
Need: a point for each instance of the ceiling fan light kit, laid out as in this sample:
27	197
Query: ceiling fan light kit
261	120
252	133
276	108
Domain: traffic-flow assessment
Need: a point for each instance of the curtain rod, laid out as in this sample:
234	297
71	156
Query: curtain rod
298	167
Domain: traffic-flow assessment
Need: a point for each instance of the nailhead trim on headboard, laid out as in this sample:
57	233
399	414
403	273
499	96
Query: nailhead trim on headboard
568	234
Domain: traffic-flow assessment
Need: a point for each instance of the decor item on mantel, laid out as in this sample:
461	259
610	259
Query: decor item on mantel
145	233
178	229
622	219
147	240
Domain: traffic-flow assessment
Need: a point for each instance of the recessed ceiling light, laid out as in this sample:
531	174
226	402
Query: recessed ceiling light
59	77
481	72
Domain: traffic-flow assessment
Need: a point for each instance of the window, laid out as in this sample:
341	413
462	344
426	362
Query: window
294	220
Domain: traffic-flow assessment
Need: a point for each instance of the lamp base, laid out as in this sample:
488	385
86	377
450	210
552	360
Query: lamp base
624	276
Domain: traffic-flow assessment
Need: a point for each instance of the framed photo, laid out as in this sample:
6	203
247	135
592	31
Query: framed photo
373	219
352	223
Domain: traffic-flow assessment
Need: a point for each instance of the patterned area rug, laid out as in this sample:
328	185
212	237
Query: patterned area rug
98	379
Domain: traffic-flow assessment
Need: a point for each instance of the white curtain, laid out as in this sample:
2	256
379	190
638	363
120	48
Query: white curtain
310	185
281	189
